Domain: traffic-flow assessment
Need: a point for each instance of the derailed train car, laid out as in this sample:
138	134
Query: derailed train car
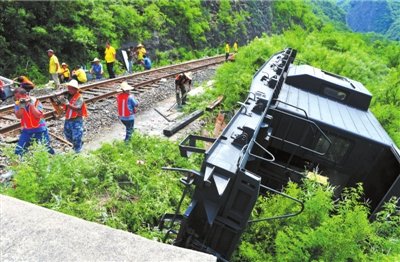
295	118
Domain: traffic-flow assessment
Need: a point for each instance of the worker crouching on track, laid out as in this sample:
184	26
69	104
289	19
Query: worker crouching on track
181	81
75	111
127	109
33	126
25	83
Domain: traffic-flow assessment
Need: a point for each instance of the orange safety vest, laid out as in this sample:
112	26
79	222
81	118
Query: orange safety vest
28	120
123	109
71	114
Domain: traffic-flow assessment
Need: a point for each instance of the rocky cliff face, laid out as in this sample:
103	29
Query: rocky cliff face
258	21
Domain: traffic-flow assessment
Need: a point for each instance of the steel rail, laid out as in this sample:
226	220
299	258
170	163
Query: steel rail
136	80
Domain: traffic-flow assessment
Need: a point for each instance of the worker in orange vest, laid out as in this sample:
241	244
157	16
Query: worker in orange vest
33	126
126	109
75	111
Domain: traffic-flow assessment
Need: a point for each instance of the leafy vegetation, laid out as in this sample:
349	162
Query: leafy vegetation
325	231
123	186
365	58
120	185
78	30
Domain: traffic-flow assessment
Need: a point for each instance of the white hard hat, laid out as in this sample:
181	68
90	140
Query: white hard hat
73	83
125	86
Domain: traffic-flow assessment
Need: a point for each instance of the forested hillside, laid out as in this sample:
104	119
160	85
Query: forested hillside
102	186
381	17
170	30
78	30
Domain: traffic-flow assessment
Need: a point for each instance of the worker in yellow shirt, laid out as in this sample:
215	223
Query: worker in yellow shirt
227	49
54	66
235	47
79	75
140	52
64	73
110	55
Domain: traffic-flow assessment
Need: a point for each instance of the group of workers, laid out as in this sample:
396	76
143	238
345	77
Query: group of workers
33	126
139	54
30	111
62	74
228	55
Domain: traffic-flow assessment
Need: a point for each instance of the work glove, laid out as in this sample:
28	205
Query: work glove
64	101
22	102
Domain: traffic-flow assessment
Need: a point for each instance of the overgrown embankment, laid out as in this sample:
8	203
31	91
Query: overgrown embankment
123	186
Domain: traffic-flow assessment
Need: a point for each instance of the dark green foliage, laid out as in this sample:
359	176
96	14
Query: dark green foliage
324	231
123	186
120	185
78	30
372	61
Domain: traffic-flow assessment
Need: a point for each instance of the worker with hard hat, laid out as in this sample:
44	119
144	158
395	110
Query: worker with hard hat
140	52
97	69
33	126
64	73
126	109
75	111
183	84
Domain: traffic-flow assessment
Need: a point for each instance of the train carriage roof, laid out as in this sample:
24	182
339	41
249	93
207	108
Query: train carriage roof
327	110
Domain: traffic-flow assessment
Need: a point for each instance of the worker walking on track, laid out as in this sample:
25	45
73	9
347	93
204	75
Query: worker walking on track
126	109
183	84
75	111
54	66
227	50
33	126
110	57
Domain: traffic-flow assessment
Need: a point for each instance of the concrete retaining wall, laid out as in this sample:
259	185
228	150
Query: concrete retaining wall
32	233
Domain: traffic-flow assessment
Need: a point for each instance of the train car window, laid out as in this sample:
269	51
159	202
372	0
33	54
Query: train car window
337	151
334	93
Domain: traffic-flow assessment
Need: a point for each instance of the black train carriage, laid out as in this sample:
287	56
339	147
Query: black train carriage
295	118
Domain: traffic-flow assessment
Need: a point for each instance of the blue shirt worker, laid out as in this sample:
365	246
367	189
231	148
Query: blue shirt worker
146	62
33	126
75	111
97	69
127	109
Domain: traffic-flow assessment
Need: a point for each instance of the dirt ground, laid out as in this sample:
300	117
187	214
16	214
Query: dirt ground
149	122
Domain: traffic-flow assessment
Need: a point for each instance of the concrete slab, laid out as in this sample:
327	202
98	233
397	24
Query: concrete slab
32	233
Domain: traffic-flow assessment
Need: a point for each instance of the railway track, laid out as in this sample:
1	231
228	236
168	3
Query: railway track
141	81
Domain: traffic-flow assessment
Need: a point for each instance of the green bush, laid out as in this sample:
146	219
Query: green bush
325	231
